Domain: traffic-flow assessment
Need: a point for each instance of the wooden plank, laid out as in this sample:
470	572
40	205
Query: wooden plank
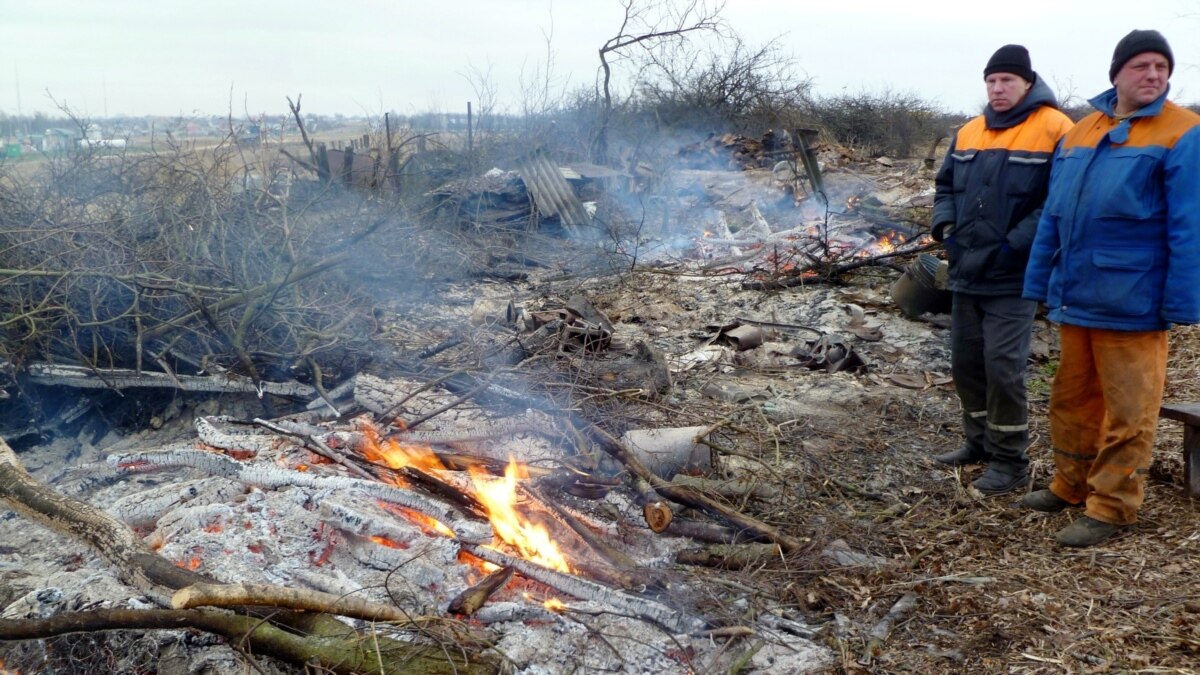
1189	414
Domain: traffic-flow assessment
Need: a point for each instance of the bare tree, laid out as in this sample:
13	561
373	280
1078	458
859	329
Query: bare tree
646	26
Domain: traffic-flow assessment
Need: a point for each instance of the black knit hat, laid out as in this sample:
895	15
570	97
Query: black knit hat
1011	59
1137	42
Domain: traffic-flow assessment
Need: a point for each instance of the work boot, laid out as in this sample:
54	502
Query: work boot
962	457
994	482
1045	501
1086	532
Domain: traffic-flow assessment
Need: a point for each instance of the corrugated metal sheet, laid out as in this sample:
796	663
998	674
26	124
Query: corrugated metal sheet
551	192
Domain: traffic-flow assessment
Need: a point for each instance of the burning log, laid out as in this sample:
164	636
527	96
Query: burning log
583	589
598	544
315	445
267	476
322	640
237	595
358	520
89	378
470	600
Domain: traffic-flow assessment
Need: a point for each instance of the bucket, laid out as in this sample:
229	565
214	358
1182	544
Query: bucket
921	288
669	451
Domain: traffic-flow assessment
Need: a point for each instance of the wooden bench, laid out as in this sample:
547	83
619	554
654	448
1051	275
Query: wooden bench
1189	414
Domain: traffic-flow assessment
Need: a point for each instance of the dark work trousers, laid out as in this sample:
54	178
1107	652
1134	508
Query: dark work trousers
989	347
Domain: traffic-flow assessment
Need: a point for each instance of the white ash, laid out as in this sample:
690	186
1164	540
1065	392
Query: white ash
319	538
149	506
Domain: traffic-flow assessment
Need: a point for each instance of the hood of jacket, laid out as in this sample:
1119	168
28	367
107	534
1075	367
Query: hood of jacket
1038	96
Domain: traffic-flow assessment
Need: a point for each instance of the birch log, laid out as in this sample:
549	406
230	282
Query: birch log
88	378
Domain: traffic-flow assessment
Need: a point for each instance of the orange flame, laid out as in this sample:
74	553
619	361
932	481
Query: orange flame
555	605
499	499
397	455
419	518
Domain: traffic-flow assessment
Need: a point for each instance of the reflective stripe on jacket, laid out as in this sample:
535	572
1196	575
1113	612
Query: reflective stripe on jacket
1118	244
989	195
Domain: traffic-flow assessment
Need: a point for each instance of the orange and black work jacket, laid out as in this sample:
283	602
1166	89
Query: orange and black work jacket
1118	246
990	192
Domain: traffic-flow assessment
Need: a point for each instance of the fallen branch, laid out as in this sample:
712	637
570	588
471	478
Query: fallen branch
689	497
347	654
236	595
879	633
88	378
729	556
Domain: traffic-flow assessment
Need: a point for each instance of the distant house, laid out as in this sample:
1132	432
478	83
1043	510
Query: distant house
59	138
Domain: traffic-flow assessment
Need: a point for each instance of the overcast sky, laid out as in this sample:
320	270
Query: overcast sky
357	56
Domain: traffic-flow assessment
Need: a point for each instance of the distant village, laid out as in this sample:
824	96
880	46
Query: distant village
39	133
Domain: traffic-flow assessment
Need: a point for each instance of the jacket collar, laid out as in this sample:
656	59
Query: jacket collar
1106	103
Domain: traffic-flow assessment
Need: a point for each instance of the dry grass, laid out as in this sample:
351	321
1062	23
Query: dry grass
994	592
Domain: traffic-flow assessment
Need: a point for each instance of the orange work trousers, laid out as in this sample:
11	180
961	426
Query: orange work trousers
1104	406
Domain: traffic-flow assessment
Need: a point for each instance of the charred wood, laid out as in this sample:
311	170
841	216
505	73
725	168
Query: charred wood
583	589
470	600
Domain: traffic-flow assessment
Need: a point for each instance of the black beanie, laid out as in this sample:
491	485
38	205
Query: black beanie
1137	42
1011	59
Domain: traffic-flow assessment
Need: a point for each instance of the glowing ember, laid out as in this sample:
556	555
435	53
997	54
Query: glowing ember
390	543
478	563
499	499
555	605
427	523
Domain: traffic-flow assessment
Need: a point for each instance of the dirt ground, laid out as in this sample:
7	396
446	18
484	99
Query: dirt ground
848	456
993	592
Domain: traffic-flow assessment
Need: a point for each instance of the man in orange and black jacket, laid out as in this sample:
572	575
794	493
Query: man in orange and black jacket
990	192
1117	262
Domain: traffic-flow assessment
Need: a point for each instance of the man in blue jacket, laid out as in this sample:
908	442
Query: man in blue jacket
1117	260
990	191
